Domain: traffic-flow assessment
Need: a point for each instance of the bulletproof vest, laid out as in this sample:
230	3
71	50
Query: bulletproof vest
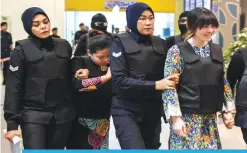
178	39
241	91
47	75
144	62
201	87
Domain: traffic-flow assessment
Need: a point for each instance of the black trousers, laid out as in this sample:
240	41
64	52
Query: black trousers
5	69
244	132
138	128
51	136
78	138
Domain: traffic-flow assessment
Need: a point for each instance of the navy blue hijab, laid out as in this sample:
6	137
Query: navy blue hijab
27	19
133	13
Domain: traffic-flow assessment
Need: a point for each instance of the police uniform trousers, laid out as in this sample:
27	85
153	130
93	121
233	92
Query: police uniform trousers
45	136
137	124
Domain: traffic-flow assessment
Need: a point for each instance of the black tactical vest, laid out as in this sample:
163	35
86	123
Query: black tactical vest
47	81
241	90
178	39
201	87
143	63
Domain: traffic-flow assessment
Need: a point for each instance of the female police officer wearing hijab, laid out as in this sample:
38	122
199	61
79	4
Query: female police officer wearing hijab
137	63
37	89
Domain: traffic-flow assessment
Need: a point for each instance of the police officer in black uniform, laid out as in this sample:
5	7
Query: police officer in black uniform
38	86
99	26
137	62
6	47
183	29
79	33
54	33
237	77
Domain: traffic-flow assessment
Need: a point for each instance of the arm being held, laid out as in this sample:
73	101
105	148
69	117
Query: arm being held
14	93
121	78
173	66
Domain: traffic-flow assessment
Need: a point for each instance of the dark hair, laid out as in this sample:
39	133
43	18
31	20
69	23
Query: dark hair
98	42
3	24
81	24
93	33
54	29
198	18
184	14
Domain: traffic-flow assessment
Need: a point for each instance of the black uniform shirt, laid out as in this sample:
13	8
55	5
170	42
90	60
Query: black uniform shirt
78	34
15	110
6	41
81	48
173	40
55	36
234	74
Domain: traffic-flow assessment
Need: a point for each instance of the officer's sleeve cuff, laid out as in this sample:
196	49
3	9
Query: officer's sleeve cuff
11	125
150	85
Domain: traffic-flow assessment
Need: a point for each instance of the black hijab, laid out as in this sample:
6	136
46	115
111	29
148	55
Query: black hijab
27	19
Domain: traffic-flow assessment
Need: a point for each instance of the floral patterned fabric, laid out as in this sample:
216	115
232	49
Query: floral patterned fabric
202	129
98	135
202	133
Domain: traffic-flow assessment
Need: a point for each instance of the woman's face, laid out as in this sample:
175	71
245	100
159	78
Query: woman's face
101	57
41	26
205	33
145	23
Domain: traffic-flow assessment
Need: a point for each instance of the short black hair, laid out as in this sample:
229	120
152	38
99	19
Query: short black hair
199	17
99	42
54	29
4	23
81	24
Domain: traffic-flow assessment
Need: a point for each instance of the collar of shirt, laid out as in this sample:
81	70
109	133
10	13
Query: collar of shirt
203	51
37	42
4	32
190	41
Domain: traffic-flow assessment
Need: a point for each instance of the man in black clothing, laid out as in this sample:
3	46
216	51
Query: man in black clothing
54	33
117	30
78	34
183	29
6	47
236	76
99	26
